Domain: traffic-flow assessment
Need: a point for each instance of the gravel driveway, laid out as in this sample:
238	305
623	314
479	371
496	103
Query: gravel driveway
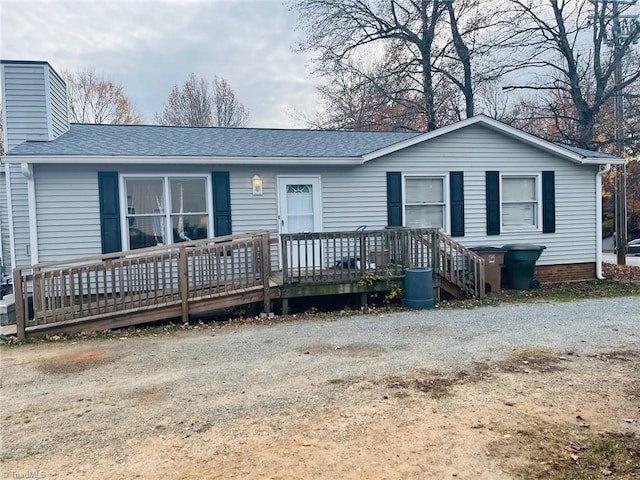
390	343
114	392
224	361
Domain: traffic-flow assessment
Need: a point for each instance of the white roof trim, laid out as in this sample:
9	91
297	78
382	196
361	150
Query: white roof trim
171	160
500	127
603	161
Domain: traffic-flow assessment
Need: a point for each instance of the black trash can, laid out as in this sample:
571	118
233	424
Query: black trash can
520	263
418	288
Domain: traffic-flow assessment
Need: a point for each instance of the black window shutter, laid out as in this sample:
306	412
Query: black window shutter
394	199
548	202
221	204
493	202
109	212
456	192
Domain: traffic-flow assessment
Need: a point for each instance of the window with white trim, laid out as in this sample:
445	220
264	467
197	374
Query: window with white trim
520	202
166	209
424	202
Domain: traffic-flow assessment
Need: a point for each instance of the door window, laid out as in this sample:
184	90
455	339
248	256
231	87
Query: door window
300	216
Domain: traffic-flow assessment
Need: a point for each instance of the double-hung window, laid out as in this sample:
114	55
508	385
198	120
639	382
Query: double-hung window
166	209
520	202
425	205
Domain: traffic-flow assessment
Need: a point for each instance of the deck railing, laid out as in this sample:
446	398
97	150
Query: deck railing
126	282
460	266
170	280
344	256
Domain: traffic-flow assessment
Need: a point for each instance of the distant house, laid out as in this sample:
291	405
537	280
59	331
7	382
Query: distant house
74	190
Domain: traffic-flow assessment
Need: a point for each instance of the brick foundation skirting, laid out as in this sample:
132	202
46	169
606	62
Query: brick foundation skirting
565	273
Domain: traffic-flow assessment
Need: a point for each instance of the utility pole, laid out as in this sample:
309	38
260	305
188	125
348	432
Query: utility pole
625	28
621	173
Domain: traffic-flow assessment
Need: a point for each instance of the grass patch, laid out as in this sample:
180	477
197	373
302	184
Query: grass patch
529	360
439	385
434	383
557	292
562	452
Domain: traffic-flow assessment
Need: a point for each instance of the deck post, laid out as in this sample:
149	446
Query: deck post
183	283
21	311
404	242
363	254
435	251
266	270
364	299
284	259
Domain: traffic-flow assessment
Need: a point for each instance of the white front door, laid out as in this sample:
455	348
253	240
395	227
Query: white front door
300	212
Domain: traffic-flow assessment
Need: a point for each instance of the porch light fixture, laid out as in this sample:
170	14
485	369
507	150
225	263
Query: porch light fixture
256	183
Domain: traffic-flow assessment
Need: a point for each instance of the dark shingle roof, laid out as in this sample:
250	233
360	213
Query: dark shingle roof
147	140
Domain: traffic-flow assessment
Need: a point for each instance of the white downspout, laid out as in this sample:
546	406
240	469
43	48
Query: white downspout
27	171
604	169
12	239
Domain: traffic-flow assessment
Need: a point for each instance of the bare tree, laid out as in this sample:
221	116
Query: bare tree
434	43
93	98
361	96
476	28
569	63
199	104
188	105
494	103
228	111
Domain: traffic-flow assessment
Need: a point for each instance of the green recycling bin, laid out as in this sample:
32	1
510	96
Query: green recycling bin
418	288
520	263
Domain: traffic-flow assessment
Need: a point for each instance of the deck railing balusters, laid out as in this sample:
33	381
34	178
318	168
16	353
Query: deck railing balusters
124	282
393	249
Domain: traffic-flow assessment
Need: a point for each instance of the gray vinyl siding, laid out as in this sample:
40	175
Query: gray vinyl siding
67	212
35	106
35	102
249	212
354	196
58	104
25	102
360	197
68	209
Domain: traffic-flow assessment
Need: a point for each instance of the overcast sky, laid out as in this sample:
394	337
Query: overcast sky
149	46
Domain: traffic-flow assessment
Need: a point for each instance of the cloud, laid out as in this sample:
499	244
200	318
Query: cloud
149	46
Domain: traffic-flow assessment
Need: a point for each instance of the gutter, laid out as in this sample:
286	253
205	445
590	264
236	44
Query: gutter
604	169
178	160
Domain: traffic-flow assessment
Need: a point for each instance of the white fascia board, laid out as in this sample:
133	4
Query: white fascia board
603	161
95	160
499	127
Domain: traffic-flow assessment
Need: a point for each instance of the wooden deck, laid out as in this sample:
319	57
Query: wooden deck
362	262
191	278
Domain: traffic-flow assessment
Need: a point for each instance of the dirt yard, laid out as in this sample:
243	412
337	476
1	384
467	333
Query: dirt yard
156	406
